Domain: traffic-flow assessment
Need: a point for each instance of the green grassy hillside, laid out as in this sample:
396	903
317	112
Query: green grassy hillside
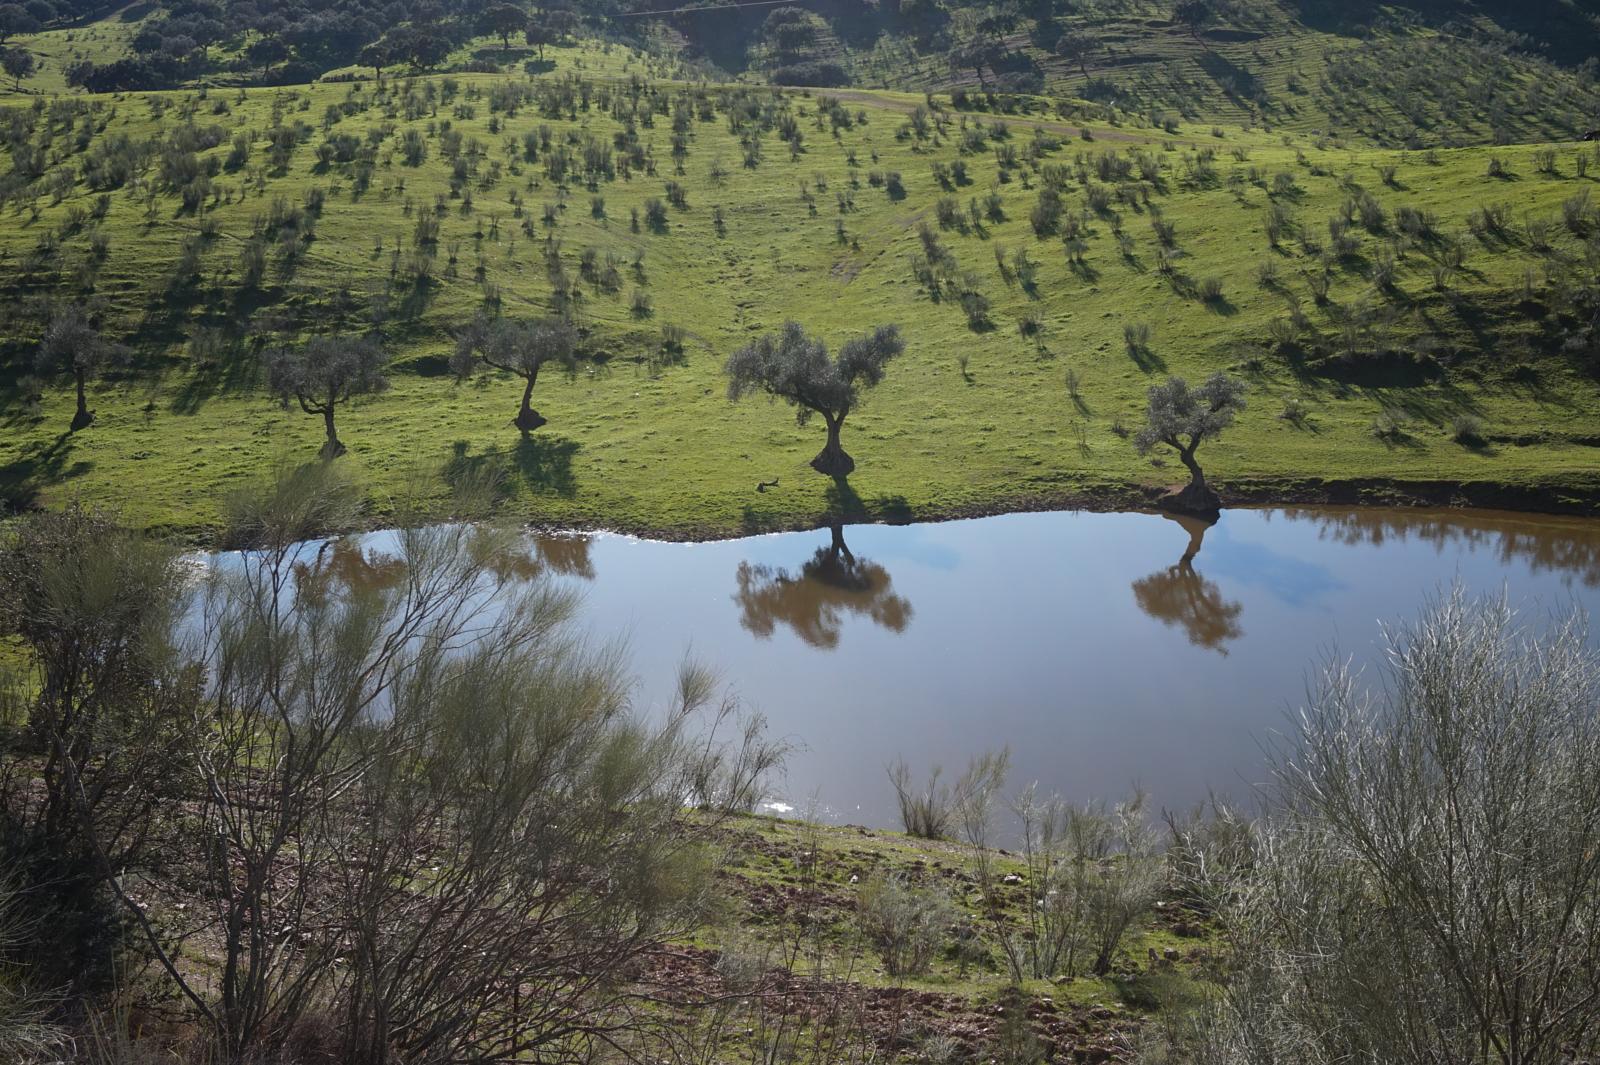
1424	340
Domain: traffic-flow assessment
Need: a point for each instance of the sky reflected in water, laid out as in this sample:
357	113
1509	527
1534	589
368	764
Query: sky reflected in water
1104	649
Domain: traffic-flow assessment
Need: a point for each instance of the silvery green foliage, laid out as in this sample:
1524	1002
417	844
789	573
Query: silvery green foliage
794	366
1182	417
1426	887
906	923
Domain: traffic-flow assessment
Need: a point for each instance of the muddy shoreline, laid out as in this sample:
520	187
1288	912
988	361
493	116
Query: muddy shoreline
1565	501
1568	500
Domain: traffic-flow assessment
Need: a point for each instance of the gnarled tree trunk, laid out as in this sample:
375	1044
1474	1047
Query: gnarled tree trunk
832	461
332	448
1196	497
1197	476
528	419
84	416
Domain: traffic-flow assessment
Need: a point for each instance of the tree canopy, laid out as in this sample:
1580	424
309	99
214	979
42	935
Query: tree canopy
1193	14
18	63
503	20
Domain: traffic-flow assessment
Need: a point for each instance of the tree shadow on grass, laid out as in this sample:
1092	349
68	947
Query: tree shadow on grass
1147	361
232	374
24	478
483	481
845	503
479	482
546	464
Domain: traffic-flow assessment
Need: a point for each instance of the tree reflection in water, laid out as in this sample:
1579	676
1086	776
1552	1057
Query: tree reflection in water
1179	596
349	564
814	601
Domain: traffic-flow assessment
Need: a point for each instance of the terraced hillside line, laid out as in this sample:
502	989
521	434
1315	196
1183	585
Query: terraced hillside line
906	107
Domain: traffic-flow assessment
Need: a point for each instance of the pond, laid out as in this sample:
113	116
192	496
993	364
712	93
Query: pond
1104	650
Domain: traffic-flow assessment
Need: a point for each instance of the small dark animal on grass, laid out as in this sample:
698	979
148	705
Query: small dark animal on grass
762	486
1592	135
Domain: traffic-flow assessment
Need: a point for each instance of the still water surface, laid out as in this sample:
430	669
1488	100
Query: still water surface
1105	650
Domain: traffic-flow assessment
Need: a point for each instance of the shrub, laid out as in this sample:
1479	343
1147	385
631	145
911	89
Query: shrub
655	214
1467	429
924	812
1136	335
906	923
1465	780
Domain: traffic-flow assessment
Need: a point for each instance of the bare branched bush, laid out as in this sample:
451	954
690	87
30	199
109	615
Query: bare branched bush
1426	886
924	812
906	923
429	824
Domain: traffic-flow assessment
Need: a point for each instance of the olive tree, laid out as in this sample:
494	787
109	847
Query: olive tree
1425	886
519	347
1076	47
1193	15
503	20
794	366
74	343
325	372
1183	418
19	63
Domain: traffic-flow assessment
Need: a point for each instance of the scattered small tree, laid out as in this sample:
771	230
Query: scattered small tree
1194	15
502	20
1183	418
794	366
325	372
19	64
74	344
1076	47
537	34
522	348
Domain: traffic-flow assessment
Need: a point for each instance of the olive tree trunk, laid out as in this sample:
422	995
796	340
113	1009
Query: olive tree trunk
1197	476
832	461
1196	497
84	416
528	419
332	448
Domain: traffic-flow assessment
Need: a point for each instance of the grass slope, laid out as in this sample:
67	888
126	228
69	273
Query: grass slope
970	418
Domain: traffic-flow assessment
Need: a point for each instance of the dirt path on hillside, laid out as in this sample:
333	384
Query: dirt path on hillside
863	96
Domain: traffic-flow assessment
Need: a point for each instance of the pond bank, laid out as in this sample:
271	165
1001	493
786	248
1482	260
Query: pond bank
1578	500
